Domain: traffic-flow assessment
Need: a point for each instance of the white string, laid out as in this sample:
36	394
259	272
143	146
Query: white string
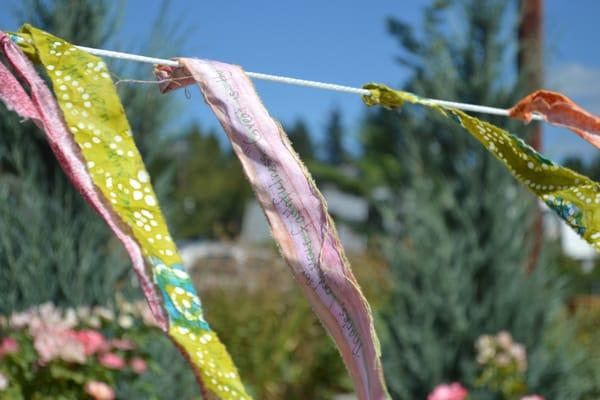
299	82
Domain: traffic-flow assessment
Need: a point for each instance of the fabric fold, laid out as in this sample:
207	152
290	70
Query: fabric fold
296	212
574	197
559	110
91	137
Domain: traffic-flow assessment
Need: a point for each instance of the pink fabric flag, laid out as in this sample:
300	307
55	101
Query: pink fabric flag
41	107
296	212
559	110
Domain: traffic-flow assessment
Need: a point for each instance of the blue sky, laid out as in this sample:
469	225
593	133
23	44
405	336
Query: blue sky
337	42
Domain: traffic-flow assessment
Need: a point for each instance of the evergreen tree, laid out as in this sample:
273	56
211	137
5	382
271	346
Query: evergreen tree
301	140
590	169
211	187
458	226
334	146
593	170
576	164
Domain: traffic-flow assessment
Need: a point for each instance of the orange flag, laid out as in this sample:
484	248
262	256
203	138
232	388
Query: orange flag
559	110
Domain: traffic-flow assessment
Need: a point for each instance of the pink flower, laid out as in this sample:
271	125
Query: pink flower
19	320
533	397
99	390
7	346
52	343
517	351
48	314
92	341
122	344
138	365
454	391
504	339
112	361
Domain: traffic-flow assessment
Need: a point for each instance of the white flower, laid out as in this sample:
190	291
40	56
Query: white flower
83	312
517	351
19	320
127	307
3	382
484	342
104	313
504	340
486	355
94	321
125	321
70	319
146	313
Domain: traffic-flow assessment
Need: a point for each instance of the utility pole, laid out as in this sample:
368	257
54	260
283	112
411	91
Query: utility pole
529	59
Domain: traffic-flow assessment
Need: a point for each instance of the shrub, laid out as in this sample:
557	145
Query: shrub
48	353
277	342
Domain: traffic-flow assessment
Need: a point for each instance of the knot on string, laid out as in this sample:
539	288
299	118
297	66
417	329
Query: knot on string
387	97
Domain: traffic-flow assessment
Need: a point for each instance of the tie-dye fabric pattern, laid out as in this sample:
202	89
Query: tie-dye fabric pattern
574	197
97	122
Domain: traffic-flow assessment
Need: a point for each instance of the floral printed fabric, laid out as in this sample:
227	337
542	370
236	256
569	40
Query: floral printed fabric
296	213
97	124
574	197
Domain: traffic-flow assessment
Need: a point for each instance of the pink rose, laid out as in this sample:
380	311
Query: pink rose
138	365
112	361
8	345
92	341
99	390
454	391
122	344
532	397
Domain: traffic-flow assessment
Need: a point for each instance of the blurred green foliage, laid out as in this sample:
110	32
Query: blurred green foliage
275	339
210	187
53	247
333	145
301	140
583	316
